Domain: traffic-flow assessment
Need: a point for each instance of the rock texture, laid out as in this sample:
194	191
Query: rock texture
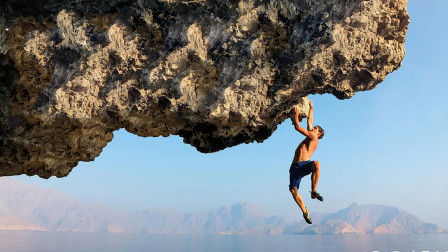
217	73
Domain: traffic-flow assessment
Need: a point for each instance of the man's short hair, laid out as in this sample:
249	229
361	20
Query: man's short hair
321	131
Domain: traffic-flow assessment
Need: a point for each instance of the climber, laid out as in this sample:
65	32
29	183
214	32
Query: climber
301	165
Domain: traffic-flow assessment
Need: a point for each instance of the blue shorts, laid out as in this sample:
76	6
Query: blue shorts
297	171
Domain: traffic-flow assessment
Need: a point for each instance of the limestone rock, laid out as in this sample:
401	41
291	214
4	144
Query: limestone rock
217	73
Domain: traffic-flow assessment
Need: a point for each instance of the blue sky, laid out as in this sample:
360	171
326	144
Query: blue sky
385	146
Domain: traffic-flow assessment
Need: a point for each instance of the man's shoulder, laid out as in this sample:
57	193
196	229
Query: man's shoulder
313	141
313	138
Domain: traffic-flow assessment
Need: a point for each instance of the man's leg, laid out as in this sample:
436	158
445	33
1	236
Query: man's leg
315	175
299	201
298	198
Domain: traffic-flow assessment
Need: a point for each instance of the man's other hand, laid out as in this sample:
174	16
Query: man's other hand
295	111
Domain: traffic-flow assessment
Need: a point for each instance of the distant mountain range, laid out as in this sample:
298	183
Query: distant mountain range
355	219
26	207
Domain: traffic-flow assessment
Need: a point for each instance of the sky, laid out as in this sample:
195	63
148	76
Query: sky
385	146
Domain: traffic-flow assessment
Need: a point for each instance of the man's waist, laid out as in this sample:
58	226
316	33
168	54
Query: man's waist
300	161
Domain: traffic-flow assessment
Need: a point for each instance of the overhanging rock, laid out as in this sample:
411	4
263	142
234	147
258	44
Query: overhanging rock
217	73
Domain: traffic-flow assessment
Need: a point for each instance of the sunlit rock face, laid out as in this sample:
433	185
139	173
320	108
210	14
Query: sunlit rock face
217	73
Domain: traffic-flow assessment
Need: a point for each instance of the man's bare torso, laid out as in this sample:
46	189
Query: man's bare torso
305	149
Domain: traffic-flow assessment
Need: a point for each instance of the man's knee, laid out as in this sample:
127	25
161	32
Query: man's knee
293	190
316	165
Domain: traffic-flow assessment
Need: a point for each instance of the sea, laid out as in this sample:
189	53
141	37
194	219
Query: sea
11	241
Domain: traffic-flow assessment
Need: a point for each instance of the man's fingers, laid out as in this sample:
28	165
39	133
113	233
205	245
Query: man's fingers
295	110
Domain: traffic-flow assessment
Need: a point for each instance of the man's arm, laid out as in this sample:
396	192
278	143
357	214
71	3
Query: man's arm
310	117
296	123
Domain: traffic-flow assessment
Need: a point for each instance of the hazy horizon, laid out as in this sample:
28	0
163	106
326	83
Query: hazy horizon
257	207
385	146
105	204
40	209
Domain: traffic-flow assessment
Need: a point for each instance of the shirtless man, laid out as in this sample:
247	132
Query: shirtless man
301	165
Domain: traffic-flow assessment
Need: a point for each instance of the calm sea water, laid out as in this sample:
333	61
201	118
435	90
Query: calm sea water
67	241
